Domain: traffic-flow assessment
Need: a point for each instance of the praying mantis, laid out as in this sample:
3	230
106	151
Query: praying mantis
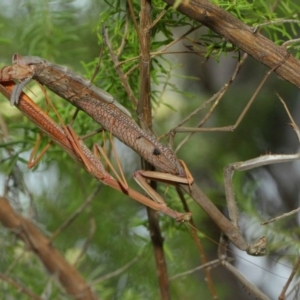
105	110
25	70
61	136
67	140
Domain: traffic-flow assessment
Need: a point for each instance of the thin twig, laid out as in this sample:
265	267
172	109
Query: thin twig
124	38
194	233
293	124
122	76
76	213
295	289
160	16
297	131
217	97
275	22
3	129
285	215
291	42
136	26
92	231
163	49
208	265
241	116
153	54
293	273
98	63
116	272
21	289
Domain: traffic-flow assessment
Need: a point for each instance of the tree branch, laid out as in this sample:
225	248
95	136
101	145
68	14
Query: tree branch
55	263
243	36
145	120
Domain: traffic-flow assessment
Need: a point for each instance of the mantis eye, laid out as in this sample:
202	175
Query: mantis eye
156	152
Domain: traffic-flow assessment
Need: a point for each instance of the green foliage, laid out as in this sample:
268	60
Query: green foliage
280	24
69	34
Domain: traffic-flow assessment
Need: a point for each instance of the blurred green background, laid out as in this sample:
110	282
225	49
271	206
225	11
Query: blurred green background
113	229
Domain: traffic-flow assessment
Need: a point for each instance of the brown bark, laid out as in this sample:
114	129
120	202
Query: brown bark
145	121
54	262
243	36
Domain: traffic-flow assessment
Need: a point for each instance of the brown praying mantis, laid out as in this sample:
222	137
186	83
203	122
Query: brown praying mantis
105	110
67	139
64	139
